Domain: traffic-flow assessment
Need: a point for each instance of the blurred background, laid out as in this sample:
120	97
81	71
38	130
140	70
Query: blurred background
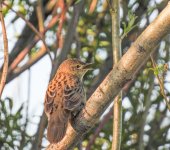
81	29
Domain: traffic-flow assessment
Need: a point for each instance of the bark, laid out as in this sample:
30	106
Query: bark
137	54
26	32
5	41
116	48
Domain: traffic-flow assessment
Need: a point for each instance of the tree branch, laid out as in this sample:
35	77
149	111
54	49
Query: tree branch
99	128
5	66
40	16
137	54
26	32
31	26
145	113
116	48
16	72
161	84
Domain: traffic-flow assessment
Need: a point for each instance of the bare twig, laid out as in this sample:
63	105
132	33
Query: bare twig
13	71
92	6
101	125
116	48
110	6
145	113
42	52
117	122
40	16
161	83
33	29
26	35
22	54
60	25
23	134
5	66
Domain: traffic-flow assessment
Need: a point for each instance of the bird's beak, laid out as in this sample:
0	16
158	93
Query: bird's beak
88	66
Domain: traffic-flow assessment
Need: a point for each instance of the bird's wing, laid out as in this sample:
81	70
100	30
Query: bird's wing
73	96
57	116
49	98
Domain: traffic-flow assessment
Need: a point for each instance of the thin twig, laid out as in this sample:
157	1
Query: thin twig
40	16
92	6
145	113
23	53
5	40
110	6
32	28
99	128
16	72
64	9
125	34
161	84
23	133
116	48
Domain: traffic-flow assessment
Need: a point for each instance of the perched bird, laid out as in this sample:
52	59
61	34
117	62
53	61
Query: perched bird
65	97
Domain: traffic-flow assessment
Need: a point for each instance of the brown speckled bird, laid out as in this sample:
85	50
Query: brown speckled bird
65	96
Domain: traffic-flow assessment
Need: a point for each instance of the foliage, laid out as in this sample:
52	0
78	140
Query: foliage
130	25
12	126
145	116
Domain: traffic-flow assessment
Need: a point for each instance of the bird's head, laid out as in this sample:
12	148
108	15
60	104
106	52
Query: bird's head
75	67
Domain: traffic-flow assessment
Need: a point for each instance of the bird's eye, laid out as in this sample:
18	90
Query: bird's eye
78	66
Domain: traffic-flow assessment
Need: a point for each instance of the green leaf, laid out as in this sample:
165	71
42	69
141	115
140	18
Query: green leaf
127	27
10	102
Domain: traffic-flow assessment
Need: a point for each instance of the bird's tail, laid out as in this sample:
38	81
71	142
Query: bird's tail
57	125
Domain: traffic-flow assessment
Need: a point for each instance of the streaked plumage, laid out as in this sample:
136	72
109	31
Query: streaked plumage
65	96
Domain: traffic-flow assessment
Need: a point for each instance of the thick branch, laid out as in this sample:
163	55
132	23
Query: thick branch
137	54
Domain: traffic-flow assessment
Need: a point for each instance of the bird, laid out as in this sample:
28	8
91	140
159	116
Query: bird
65	97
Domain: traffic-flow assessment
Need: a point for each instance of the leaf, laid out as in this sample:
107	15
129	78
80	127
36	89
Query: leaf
18	114
10	102
78	1
127	27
